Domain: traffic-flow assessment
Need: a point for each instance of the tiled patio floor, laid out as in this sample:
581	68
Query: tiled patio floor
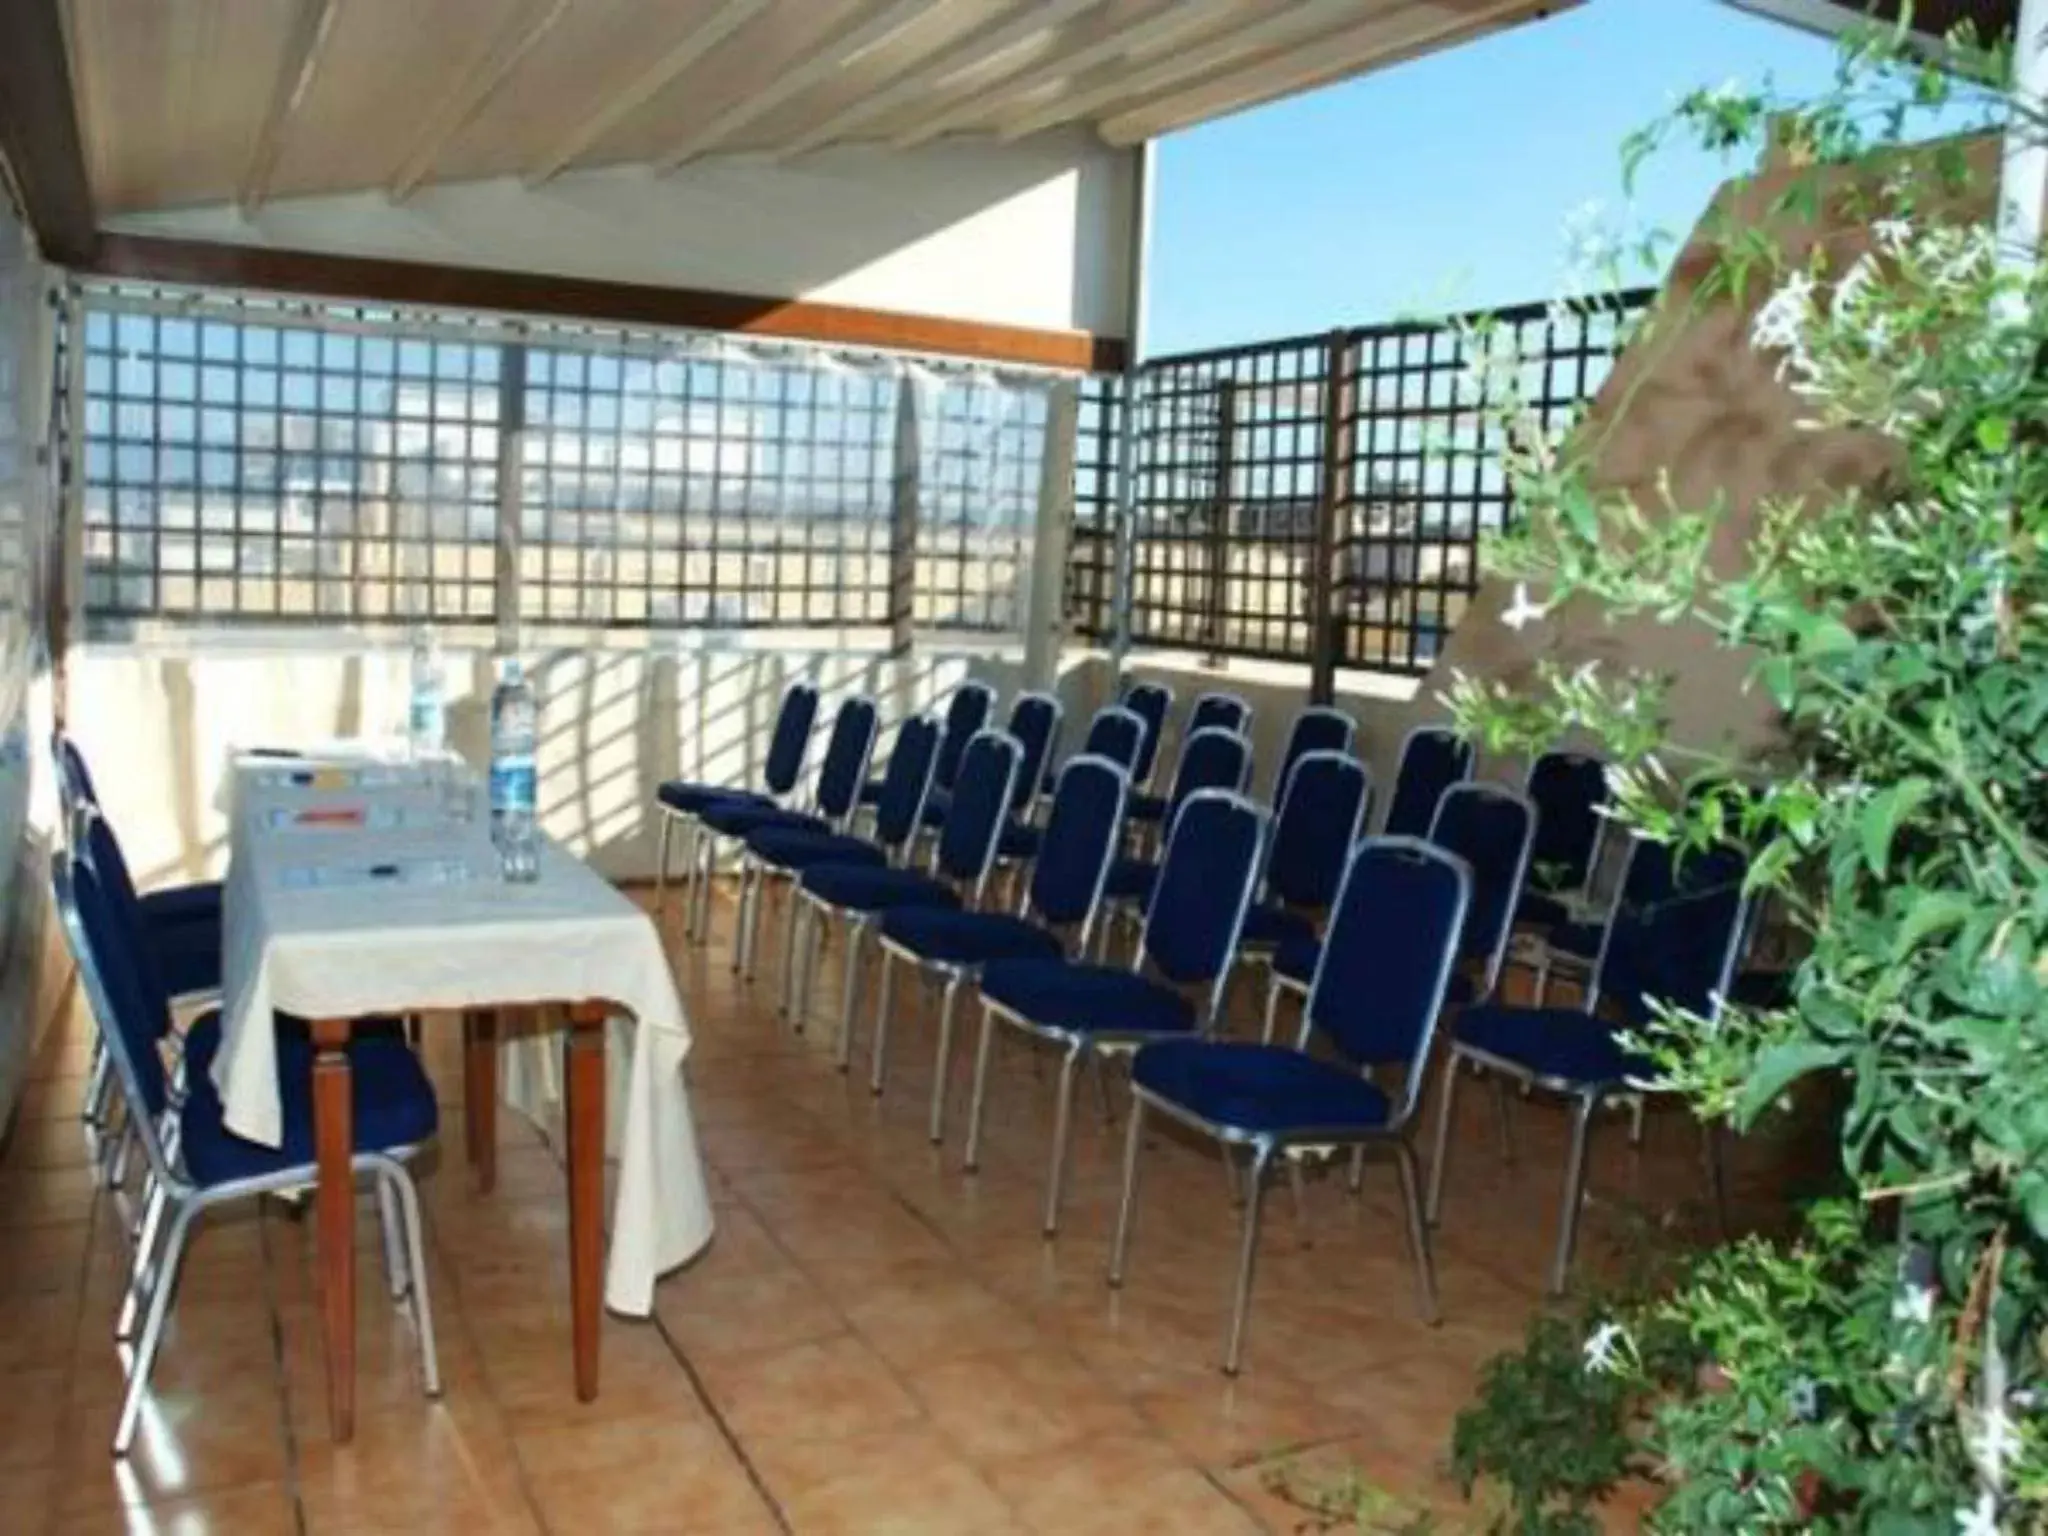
874	1342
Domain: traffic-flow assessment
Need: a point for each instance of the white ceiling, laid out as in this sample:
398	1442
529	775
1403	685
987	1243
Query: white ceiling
186	102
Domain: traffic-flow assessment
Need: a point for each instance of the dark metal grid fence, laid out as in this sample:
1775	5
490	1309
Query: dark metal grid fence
240	465
1239	484
1091	543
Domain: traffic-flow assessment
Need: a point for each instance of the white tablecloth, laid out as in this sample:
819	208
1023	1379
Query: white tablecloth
311	931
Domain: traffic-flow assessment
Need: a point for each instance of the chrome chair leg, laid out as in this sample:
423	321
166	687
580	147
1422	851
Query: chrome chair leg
668	825
942	1066
849	1001
153	1328
1120	1245
746	922
1062	1135
977	1102
1574	1191
1433	1210
878	1052
93	1108
117	1165
138	1269
422	1308
396	1272
1248	1253
1272	1018
1418	1231
806	979
789	936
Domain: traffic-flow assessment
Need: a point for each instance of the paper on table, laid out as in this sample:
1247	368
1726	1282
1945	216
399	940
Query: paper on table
380	818
303	877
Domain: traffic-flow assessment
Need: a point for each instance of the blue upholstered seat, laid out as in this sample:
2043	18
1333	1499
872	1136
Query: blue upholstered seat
968	938
790	847
1131	879
690	797
393	1107
1086	999
198	902
294	1041
1269	924
872	889
1296	958
743	818
1019	841
1255	1088
1552	1042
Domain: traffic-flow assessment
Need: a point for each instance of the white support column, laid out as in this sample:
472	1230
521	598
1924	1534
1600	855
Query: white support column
1045	606
2023	168
1126	549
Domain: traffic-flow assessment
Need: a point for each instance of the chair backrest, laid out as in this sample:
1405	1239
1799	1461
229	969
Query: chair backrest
966	713
981	803
1211	759
1035	726
907	781
97	842
74	780
791	738
131	1013
1115	733
1675	933
1322	811
1568	789
1491	828
847	753
1221	712
1150	702
1318	728
1433	758
1388	956
1198	903
1081	837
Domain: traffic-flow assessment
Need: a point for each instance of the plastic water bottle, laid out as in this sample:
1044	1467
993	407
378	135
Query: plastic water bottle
427	719
515	722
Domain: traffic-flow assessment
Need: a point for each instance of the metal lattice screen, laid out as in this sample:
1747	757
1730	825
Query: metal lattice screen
245	458
1249	458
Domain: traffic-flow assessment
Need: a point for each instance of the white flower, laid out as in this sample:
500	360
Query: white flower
1981	1519
1995	1444
1853	288
1780	324
1914	1304
1523	609
1892	236
1603	1349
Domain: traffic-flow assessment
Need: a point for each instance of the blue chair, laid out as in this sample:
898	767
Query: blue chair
835	796
1374	1004
1219	712
1318	728
860	894
183	953
1433	758
1187	945
1062	898
1034	725
967	712
680	800
196	1164
1324	806
1675	937
1569	790
164	908
1116	734
784	851
1151	703
1212	759
1492	829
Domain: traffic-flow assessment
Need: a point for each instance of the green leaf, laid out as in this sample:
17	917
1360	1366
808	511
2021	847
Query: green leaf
1994	434
1932	912
1880	820
2033	1193
1778	1068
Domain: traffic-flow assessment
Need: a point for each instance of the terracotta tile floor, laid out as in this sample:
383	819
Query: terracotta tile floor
874	1342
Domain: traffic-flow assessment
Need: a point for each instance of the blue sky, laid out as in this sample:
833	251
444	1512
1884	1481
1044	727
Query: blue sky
1445	183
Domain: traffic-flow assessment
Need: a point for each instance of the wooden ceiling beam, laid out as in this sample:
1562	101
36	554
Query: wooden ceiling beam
649	83
1387	39
830	56
971	60
312	26
39	135
485	77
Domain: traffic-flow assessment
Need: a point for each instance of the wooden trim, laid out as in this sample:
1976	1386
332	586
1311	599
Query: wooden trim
143	258
39	137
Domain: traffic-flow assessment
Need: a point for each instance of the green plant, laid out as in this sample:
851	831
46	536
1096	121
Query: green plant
1883	1369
